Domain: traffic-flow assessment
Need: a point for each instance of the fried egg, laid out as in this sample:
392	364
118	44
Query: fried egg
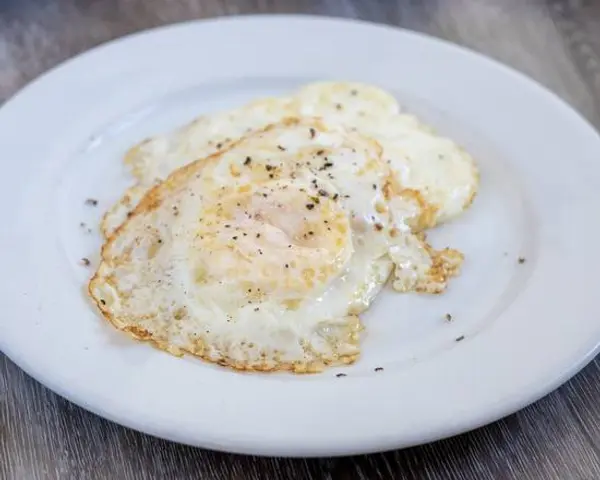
442	174
435	173
262	256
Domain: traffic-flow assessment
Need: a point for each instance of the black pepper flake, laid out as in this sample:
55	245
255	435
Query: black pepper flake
338	106
281	148
374	187
92	202
247	161
335	197
219	145
311	233
313	132
327	165
102	301
265	195
448	317
234	238
339	375
320	152
227	226
268	168
271	175
323	193
258	235
85	262
260	251
310	206
256	309
522	260
379	369
287	265
159	240
460	339
245	234
378	227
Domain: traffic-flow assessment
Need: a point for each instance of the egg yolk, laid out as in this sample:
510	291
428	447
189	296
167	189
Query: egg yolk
281	238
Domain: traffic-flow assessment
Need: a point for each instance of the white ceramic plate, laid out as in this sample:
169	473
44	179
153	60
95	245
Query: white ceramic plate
527	327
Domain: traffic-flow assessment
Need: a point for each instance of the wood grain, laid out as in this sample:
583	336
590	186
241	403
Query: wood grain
43	436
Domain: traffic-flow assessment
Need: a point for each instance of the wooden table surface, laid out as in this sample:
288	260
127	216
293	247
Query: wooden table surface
43	436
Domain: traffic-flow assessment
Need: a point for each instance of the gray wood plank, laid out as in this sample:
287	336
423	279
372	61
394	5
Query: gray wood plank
43	436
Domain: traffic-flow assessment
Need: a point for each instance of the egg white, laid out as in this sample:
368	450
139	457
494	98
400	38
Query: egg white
442	174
